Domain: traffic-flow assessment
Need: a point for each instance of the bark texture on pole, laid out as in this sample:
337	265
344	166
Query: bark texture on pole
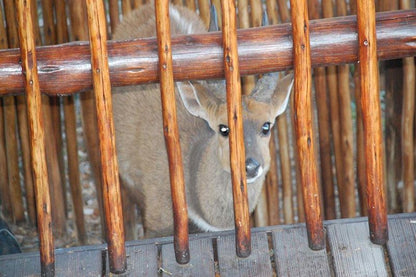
37	136
171	133
370	104
304	125
235	123
106	135
65	69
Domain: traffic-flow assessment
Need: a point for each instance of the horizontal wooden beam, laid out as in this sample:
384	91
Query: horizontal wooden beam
65	69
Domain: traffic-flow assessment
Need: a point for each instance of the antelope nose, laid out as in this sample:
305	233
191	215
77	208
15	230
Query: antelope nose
252	168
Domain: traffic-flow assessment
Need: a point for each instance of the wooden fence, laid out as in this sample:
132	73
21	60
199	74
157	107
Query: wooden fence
358	170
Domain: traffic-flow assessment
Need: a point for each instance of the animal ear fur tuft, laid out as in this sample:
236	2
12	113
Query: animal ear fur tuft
271	89
196	98
281	95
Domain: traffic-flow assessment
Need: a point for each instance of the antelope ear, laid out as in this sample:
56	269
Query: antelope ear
271	90
281	94
196	98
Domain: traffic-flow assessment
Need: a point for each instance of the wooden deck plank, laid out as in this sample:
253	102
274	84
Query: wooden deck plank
20	265
201	263
402	246
294	257
141	260
79	263
350	250
68	263
353	253
257	264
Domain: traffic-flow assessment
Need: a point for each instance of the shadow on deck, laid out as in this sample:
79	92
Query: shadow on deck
277	250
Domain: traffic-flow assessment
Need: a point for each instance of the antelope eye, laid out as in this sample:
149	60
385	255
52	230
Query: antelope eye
224	130
265	129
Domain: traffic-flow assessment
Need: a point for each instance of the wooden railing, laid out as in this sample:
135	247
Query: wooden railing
259	51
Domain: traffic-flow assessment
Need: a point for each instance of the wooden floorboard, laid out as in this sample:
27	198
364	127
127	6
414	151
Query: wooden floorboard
294	257
67	263
353	253
402	246
276	250
142	260
257	264
201	263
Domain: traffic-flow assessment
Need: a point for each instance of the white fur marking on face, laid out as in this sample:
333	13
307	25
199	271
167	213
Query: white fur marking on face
259	173
202	224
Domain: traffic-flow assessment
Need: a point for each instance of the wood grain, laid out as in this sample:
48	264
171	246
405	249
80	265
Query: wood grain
333	41
294	257
79	31
370	104
106	135
401	246
346	131
171	132
321	96
10	127
272	184
408	173
37	137
235	123
303	124
71	135
353	254
200	264
257	264
142	260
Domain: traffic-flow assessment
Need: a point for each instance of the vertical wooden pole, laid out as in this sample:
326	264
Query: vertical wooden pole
370	103
203	6
248	83
272	184
106	135
244	22
346	130
10	127
37	139
284	155
15	192
361	166
22	114
332	82
235	122
73	167
4	183
129	206
71	133
407	128
190	4
53	137
125	7
303	119
324	129
285	17
114	14
171	133
79	30
392	73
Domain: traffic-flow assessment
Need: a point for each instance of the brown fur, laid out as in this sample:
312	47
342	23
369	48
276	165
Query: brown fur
201	109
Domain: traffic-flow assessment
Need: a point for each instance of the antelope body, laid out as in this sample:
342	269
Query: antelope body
202	122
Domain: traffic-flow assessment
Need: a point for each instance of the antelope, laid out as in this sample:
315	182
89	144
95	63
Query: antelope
202	123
